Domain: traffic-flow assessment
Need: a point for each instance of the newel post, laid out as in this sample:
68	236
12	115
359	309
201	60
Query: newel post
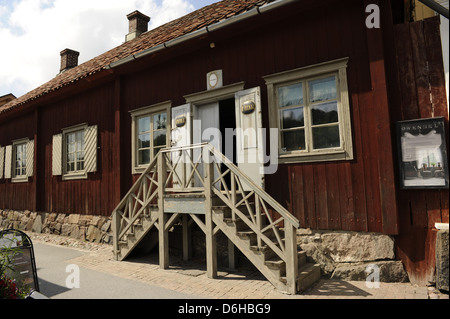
116	230
162	217
211	246
291	258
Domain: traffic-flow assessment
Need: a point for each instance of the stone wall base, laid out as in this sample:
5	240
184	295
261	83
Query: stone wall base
91	228
352	255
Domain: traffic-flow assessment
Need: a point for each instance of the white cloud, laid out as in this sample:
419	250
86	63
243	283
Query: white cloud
34	32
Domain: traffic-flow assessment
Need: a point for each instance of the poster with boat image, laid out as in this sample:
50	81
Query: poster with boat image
422	153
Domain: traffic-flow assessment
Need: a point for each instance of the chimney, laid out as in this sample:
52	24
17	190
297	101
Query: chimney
138	24
69	59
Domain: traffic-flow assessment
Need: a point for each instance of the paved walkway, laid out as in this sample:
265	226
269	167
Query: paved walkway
190	278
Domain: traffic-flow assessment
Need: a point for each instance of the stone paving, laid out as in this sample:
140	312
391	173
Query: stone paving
245	283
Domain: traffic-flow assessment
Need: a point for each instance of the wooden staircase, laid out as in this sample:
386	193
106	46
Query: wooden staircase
216	200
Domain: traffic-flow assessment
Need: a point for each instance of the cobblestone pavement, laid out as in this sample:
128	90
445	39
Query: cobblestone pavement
246	283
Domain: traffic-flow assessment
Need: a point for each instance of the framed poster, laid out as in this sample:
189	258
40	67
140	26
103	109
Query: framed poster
422	153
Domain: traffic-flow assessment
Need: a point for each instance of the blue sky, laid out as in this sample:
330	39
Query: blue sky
34	32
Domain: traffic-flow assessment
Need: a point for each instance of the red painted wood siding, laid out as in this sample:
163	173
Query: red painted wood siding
421	94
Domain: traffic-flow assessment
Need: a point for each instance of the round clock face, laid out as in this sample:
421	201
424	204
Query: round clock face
213	80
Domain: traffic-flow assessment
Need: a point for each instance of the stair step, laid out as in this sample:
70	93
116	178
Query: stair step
308	274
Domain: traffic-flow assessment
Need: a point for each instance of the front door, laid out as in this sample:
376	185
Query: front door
210	123
206	124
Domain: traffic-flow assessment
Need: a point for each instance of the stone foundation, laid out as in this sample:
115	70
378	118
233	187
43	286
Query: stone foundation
83	227
349	255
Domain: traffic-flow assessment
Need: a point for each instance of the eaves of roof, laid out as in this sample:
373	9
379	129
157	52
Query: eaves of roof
209	15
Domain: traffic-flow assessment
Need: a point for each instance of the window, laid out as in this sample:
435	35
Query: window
20	160
149	134
74	152
17	160
310	108
152	131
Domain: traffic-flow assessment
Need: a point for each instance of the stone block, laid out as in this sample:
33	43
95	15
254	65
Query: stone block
442	257
60	218
388	271
73	218
358	247
93	234
37	225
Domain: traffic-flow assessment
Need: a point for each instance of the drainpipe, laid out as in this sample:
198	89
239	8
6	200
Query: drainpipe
203	31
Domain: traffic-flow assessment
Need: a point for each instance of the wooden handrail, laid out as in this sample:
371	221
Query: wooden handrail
258	190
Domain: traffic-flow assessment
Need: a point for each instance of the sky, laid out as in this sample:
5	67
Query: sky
34	32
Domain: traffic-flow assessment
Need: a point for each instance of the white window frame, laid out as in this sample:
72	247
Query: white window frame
15	178
148	111
76	174
337	68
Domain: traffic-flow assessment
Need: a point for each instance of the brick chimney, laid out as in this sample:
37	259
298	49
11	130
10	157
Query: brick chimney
69	59
138	24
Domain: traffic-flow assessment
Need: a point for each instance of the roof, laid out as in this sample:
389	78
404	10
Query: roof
189	23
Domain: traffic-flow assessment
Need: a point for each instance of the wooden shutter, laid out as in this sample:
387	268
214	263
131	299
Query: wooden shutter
8	161
57	154
2	161
30	157
90	147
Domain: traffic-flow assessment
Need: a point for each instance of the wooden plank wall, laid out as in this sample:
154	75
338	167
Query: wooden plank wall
421	88
18	195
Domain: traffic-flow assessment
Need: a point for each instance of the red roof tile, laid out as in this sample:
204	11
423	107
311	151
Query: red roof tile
196	20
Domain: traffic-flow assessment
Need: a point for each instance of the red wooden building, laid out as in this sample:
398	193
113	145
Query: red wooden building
330	87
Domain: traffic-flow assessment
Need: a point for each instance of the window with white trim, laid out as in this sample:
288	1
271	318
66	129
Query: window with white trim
20	160
74	152
17	160
310	107
150	134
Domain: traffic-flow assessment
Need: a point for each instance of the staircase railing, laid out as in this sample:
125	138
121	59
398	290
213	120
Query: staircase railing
202	168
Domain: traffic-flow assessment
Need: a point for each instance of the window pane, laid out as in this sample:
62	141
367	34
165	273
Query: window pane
70	138
159	121
293	118
80	156
326	137
80	166
324	113
143	157
70	157
24	171
290	95
159	138
70	167
293	140
322	89
156	150
144	124
144	140
80	140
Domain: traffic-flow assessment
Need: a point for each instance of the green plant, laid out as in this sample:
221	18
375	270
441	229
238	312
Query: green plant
9	288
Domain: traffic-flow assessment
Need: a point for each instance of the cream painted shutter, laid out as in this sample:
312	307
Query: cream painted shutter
90	147
30	158
57	154
2	161
8	161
